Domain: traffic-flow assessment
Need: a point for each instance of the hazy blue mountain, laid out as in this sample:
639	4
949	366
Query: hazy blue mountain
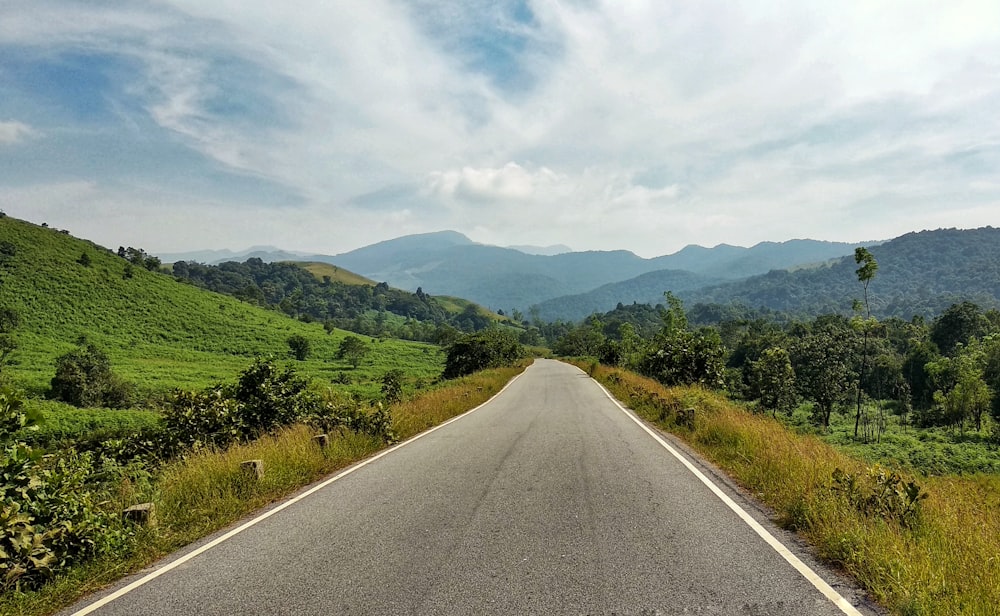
919	274
449	263
644	289
734	262
268	254
545	251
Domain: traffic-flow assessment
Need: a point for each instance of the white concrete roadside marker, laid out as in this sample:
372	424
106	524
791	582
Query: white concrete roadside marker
89	609
806	572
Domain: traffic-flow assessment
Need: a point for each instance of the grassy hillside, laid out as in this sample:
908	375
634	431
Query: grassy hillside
457	305
336	274
158	332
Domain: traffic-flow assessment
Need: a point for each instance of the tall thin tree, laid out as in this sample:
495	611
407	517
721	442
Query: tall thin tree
865	275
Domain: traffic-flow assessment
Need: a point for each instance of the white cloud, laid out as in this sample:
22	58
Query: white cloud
13	132
753	120
512	182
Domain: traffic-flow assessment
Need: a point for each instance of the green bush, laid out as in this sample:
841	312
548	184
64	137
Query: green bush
263	399
299	346
684	357
49	514
491	348
84	378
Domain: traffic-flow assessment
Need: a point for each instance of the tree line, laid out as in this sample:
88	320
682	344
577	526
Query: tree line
939	372
364	309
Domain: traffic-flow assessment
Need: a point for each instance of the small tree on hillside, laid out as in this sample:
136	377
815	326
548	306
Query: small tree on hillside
353	349
299	346
84	378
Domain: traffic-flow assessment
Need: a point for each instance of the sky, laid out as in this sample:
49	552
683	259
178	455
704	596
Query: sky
323	126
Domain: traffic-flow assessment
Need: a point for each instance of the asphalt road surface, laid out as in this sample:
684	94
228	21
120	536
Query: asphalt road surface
547	500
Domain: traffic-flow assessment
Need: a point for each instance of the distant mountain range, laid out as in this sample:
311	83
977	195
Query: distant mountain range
919	273
268	254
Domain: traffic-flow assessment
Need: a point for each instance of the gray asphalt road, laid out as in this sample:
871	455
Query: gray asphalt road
548	500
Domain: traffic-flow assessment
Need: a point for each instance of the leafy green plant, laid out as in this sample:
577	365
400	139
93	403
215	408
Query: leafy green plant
881	493
392	386
49	517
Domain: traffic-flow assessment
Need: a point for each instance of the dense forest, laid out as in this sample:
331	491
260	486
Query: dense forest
939	372
360	308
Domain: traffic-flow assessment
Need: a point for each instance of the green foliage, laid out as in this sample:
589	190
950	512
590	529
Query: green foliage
491	348
138	257
969	397
772	380
957	325
583	341
84	259
924	273
353	349
158	334
208	417
300	347
9	320
307	291
881	493
14	417
263	399
49	517
823	359
84	378
678	356
684	358
392	386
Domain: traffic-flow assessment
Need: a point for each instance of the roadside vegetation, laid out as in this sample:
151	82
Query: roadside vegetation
875	440
131	403
919	545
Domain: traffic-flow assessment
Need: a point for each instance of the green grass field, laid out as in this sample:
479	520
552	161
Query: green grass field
923	451
160	334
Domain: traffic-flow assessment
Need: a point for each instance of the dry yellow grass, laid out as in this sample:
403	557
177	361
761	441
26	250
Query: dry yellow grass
946	561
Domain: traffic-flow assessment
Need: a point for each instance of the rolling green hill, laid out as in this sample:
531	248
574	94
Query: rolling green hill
336	274
159	333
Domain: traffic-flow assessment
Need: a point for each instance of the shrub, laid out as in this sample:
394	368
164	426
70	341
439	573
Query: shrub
300	347
84	378
392	386
491	348
685	358
263	398
49	516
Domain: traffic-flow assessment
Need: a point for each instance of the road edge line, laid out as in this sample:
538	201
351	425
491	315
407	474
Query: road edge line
152	575
804	570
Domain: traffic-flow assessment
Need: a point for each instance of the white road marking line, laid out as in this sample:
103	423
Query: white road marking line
820	584
208	546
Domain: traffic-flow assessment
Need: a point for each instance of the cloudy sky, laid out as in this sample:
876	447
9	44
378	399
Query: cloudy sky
185	124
